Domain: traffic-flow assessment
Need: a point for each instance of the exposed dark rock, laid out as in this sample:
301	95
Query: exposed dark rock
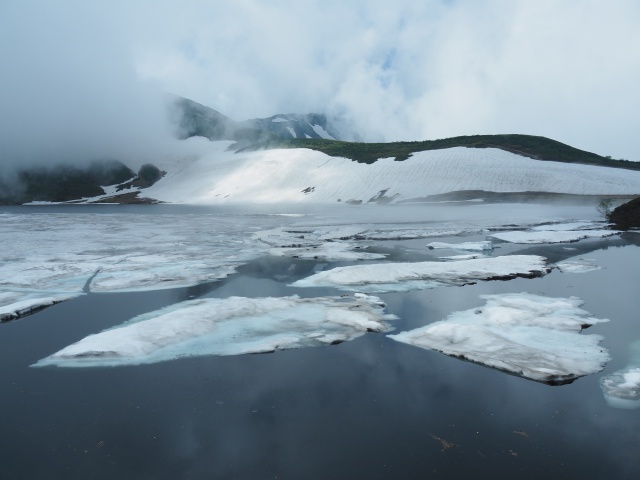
147	176
627	215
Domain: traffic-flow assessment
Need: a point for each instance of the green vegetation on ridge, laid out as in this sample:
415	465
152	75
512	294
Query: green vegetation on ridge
539	148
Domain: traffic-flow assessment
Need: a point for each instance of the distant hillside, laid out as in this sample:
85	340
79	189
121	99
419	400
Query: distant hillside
315	132
539	148
67	183
193	119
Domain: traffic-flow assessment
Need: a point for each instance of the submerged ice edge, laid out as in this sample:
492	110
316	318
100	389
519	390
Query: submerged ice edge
230	326
523	334
621	389
17	305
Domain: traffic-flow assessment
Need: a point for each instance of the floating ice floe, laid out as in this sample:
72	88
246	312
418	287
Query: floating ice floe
621	389
577	266
470	246
406	234
70	253
388	277
326	243
470	256
230	326
551	236
567	226
14	305
524	334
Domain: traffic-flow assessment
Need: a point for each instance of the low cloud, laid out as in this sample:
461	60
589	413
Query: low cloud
87	77
68	88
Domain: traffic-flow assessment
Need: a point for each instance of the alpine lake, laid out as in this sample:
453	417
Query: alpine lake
370	408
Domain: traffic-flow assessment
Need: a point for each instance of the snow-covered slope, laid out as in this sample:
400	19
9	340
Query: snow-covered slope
206	172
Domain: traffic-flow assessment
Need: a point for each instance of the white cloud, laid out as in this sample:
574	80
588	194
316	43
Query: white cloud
407	70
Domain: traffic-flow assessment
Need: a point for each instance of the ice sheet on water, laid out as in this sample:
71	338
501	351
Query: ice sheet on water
329	251
524	334
324	243
14	305
59	252
551	236
387	277
577	266
230	326
469	246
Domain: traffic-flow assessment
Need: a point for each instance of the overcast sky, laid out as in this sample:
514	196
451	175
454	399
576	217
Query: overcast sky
84	77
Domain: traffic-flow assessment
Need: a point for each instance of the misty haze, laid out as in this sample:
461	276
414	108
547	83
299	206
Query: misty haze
424	216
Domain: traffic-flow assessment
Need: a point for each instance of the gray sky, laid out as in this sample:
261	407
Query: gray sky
84	78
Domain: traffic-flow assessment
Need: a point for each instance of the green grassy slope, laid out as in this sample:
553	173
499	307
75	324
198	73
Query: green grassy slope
540	148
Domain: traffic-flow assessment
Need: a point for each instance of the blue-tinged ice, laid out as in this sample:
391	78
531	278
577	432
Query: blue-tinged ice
527	335
621	389
230	326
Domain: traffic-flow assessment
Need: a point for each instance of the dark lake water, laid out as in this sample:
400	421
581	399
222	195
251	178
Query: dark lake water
371	408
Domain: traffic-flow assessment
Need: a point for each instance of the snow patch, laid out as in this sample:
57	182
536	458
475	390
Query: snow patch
322	133
524	334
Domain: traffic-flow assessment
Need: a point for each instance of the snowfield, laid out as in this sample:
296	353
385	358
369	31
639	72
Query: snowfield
204	172
528	335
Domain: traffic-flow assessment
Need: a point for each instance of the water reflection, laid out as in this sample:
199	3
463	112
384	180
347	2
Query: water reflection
364	409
